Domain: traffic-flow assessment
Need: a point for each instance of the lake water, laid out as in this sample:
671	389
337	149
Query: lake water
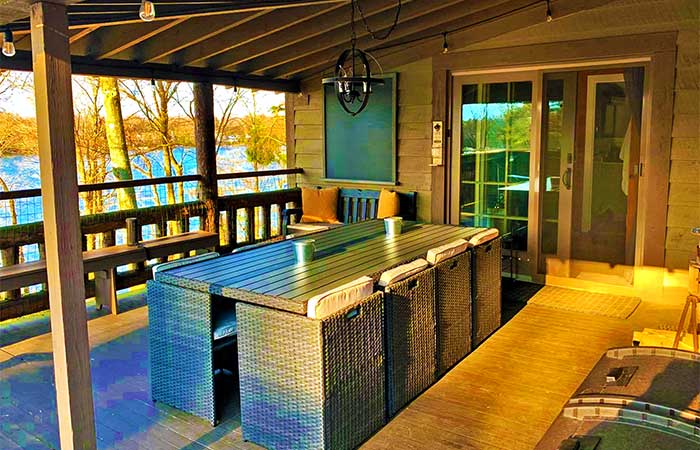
22	172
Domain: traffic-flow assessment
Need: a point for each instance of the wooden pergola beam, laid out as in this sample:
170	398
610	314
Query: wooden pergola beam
59	186
126	69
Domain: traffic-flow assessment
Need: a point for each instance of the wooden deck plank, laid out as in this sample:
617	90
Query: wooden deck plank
507	392
502	396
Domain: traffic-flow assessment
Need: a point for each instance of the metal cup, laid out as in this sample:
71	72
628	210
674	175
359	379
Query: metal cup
304	250
392	226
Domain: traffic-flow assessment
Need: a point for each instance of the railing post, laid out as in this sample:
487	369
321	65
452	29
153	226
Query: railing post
205	141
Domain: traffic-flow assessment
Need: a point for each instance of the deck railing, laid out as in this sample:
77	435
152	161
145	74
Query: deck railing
243	219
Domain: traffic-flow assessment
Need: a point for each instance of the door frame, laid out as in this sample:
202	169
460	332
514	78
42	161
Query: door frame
656	51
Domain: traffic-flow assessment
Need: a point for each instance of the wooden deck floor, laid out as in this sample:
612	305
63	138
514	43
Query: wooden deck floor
504	395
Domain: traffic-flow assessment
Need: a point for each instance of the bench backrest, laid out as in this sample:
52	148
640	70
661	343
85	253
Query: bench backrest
357	205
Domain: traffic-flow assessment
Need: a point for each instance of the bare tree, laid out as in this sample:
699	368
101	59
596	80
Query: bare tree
116	140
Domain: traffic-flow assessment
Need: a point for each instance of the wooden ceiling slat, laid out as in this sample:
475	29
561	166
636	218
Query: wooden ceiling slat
463	12
325	23
189	33
275	21
124	40
81	33
486	29
340	38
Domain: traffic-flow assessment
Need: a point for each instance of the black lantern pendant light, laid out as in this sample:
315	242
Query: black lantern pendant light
353	79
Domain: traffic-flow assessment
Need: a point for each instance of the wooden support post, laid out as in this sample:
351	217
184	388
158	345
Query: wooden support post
59	189
205	140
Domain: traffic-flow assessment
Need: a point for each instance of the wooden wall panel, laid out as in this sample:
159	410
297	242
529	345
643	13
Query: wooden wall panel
414	121
684	179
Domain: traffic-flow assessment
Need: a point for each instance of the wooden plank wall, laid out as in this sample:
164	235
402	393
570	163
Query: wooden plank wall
414	116
684	193
648	16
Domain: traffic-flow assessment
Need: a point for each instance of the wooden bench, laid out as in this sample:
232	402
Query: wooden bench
354	205
104	261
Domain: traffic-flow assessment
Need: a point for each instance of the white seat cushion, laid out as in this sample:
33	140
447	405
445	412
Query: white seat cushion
443	252
300	229
402	272
330	302
484	236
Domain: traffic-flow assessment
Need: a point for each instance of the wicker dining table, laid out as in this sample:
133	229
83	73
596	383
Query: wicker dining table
270	276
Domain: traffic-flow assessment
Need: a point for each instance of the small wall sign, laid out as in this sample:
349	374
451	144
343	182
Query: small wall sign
436	151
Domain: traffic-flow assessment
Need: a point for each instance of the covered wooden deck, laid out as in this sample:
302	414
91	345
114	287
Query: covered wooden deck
504	395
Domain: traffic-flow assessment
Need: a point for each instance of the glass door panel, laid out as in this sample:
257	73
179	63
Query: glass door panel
494	157
602	187
591	126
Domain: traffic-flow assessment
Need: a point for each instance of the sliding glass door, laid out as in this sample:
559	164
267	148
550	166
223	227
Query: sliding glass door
551	159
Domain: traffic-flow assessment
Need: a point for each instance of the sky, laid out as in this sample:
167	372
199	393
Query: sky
21	102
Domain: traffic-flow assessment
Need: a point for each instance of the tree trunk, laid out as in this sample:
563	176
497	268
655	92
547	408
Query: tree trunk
116	141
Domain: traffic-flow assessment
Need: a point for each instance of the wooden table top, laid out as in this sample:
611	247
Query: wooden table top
269	275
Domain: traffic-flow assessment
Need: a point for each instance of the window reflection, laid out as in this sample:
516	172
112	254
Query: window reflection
495	157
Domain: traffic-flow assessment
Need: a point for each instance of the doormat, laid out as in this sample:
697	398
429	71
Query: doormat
608	305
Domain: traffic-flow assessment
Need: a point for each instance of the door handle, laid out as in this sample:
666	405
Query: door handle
566	178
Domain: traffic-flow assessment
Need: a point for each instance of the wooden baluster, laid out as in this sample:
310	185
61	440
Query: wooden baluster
161	230
346	210
363	209
354	210
232	220
372	208
278	229
266	222
250	226
10	257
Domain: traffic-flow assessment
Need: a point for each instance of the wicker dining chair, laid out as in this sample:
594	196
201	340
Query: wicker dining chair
312	383
186	331
453	310
410	338
486	290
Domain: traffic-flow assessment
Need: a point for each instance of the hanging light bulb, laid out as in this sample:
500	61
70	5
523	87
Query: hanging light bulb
8	44
147	11
445	46
549	12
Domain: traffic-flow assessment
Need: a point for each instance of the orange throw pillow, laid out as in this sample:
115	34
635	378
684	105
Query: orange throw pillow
389	204
319	205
